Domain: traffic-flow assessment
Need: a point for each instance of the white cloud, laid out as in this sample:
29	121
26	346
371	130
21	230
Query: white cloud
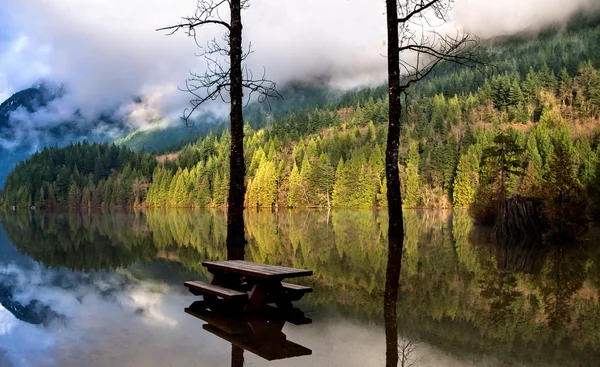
108	53
491	18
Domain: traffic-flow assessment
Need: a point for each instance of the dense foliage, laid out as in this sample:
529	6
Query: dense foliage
80	175
335	157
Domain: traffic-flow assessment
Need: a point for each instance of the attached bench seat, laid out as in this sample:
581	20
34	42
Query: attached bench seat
294	291
200	288
296	288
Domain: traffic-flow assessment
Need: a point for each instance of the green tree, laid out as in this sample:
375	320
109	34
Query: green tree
411	197
466	181
565	202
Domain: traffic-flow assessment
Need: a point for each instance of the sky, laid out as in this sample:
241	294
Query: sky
107	52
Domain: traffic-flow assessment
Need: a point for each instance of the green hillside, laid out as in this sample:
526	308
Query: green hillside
542	95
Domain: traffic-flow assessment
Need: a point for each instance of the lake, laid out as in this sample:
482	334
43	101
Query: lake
107	290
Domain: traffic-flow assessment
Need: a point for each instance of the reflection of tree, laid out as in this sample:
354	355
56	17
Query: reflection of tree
499	289
390	302
81	242
561	277
454	286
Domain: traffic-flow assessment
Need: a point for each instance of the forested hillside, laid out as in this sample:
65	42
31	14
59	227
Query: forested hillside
80	175
541	96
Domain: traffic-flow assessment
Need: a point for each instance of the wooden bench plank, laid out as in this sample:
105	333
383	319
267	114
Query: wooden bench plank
257	270
215	290
296	287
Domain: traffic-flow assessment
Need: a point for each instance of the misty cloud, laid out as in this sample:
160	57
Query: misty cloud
108	55
491	18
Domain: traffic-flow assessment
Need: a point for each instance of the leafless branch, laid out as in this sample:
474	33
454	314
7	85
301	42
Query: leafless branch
207	12
215	82
425	49
408	353
416	10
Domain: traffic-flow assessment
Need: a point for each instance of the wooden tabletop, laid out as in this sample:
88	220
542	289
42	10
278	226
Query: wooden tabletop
262	271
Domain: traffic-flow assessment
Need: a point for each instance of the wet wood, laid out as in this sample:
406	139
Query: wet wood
262	271
296	287
201	288
294	292
255	284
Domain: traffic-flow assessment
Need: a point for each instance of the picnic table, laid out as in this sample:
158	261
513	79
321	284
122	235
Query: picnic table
250	285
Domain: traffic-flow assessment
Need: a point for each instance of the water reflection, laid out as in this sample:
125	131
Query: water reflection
258	332
390	304
458	294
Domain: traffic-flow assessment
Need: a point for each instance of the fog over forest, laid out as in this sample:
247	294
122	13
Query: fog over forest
106	53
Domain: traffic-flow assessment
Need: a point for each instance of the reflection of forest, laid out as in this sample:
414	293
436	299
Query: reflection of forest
458	292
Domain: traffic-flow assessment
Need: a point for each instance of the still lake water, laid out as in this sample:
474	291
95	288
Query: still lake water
106	290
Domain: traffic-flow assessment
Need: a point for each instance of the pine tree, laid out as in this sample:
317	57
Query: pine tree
411	198
74	196
86	198
297	189
565	203
340	187
466	182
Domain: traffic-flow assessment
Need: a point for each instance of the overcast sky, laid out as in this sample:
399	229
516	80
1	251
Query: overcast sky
107	51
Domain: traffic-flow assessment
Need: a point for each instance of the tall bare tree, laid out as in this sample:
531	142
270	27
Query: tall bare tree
226	77
415	49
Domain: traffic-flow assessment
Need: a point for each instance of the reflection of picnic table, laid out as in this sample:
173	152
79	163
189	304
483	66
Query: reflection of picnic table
250	285
258	332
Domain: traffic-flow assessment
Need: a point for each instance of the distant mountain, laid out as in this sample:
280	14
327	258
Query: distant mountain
296	97
163	136
24	131
30	99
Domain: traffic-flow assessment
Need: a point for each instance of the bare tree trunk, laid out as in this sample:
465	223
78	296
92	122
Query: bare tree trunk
237	166
237	356
390	301
396	227
396	224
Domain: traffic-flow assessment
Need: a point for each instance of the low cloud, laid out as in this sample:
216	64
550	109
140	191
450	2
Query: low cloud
110	58
491	18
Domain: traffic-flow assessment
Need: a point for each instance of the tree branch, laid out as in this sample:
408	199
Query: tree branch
190	25
418	9
215	82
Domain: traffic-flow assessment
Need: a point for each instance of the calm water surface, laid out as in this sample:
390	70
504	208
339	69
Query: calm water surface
106	290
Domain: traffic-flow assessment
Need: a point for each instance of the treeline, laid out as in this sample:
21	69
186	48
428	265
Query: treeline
80	175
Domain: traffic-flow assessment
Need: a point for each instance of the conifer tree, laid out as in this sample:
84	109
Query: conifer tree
411	199
74	196
466	182
297	189
565	203
340	188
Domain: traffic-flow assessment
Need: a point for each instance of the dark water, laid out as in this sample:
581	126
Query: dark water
106	290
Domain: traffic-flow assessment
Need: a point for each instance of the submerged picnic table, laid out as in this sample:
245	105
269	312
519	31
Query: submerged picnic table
250	285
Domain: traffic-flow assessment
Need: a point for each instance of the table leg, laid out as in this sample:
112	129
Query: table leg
276	294
256	297
227	280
